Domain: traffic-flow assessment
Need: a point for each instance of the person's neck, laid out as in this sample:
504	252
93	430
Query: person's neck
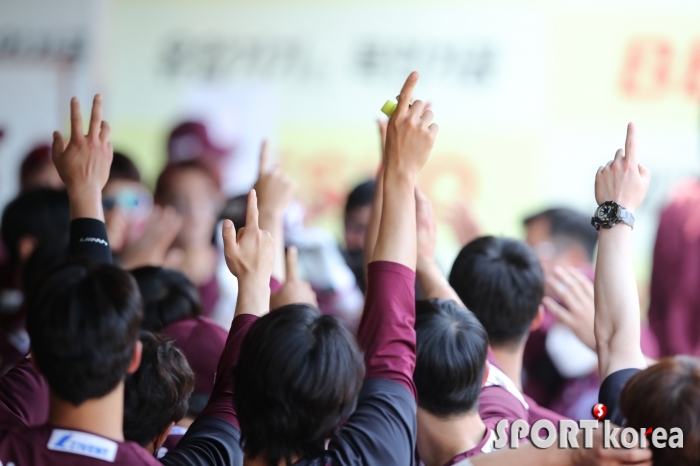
185	421
441	439
101	416
510	361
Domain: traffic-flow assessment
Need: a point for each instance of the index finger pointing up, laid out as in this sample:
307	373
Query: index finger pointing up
292	264
407	92
76	120
251	215
630	146
263	158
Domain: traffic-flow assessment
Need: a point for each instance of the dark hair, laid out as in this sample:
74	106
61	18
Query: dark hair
42	213
667	395
44	259
298	376
83	321
168	296
361	196
123	168
34	162
567	226
501	281
158	392
450	358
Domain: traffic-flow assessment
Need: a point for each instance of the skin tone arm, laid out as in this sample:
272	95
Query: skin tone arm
275	191
84	163
376	215
250	257
617	317
432	281
410	138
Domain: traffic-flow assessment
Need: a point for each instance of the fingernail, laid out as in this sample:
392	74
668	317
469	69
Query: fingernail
228	224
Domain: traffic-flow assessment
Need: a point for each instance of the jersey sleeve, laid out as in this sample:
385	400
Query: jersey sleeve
88	239
610	391
24	395
386	332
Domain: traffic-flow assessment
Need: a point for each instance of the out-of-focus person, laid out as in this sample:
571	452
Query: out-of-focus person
193	190
190	140
358	209
674	307
38	171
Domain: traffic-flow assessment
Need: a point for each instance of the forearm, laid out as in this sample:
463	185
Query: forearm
396	241
272	222
86	203
253	296
375	218
526	455
432	282
617	316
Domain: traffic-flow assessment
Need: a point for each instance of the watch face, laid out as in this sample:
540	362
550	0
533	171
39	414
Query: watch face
608	213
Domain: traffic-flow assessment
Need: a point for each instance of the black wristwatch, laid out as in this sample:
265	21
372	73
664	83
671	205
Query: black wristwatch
609	214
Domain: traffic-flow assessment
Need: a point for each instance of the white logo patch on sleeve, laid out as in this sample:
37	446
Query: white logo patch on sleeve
81	443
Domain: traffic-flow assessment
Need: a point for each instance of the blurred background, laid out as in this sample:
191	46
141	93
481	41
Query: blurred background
531	96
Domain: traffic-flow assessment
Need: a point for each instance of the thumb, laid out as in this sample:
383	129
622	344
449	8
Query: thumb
228	233
57	145
644	172
292	264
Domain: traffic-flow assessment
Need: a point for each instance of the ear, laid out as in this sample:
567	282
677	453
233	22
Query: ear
32	361
26	246
135	358
160	439
538	319
487	369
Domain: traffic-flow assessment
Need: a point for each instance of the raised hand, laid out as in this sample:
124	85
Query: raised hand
410	133
575	292
294	290
84	163
623	180
275	191
151	248
461	218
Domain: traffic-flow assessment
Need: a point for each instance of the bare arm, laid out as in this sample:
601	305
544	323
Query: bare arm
432	282
617	316
376	215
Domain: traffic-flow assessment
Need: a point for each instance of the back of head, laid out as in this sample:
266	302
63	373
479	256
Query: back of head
83	321
501	281
157	393
451	358
298	376
567	228
667	395
41	213
37	169
123	168
44	258
168	296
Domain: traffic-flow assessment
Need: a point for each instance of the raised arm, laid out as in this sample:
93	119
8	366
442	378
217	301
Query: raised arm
275	191
432	282
84	165
617	319
376	214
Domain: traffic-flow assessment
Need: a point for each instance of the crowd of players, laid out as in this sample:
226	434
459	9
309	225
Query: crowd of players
119	346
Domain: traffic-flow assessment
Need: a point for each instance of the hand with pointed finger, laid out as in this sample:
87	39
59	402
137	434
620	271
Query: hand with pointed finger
623	179
294	290
466	227
410	133
83	164
249	255
575	307
274	189
152	247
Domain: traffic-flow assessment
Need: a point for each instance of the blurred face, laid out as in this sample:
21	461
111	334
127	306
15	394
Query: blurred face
356	222
127	205
197	199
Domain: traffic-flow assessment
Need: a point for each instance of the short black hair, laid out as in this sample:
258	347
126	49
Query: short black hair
501	281
361	195
298	376
450	358
42	213
158	392
568	226
123	168
168	296
83	321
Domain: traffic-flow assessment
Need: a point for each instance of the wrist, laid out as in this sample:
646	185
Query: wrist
396	172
